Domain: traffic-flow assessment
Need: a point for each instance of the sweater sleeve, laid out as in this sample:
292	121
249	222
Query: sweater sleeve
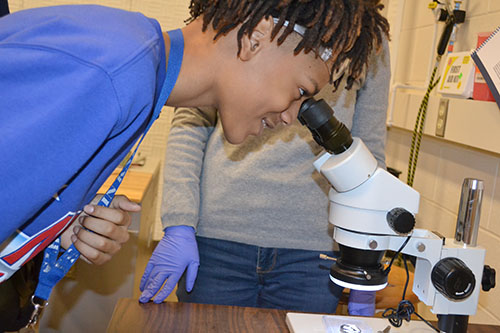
190	130
371	105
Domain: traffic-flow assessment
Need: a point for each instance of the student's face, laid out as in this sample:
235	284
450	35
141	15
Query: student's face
268	89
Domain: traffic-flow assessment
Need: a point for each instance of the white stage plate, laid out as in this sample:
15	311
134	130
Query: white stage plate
315	323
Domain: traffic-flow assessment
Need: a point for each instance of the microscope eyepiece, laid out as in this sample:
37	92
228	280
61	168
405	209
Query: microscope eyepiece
326	130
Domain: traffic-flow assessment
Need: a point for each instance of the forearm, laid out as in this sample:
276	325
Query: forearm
190	131
369	121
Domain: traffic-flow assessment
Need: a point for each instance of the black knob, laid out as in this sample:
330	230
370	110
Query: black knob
452	278
488	280
400	220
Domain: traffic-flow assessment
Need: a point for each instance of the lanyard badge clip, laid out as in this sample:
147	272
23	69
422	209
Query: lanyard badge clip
37	311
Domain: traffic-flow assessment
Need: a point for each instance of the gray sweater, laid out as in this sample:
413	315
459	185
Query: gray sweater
265	192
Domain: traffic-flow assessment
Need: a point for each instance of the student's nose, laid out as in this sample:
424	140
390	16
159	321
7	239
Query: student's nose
290	114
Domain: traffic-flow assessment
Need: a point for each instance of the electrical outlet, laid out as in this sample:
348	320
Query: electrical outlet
442	115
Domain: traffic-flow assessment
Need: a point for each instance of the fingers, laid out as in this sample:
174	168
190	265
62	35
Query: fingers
145	276
117	216
90	253
97	241
122	202
66	235
109	229
106	229
167	289
153	284
192	272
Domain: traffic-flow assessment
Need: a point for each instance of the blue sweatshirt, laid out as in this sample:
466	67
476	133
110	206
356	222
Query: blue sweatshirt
77	88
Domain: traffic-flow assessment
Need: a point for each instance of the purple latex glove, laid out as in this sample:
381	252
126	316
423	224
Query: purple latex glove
176	251
361	303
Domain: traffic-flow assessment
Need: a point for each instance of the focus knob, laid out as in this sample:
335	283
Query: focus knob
453	278
488	280
400	220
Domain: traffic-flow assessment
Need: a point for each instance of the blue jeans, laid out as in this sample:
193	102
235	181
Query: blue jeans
238	274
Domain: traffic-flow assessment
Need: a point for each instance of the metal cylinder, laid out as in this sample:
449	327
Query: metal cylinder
469	211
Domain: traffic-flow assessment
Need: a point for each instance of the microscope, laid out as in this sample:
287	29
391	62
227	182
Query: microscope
373	211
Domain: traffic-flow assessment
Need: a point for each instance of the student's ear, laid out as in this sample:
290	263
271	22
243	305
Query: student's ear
261	35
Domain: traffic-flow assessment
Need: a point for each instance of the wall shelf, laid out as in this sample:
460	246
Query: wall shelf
469	122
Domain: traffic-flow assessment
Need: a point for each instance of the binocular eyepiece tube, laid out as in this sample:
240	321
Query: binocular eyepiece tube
326	130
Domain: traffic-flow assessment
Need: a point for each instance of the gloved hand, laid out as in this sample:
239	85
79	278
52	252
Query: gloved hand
361	303
176	251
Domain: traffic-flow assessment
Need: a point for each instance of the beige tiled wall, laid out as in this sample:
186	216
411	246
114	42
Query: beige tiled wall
170	13
443	165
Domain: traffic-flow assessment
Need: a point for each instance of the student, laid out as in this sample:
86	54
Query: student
78	85
201	167
260	210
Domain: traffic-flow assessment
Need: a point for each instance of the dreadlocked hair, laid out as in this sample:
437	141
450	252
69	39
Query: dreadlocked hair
350	28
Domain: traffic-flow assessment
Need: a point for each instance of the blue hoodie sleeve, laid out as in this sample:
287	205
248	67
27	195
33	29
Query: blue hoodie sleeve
52	123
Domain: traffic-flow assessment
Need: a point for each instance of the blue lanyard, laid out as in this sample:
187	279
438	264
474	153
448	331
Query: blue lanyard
54	268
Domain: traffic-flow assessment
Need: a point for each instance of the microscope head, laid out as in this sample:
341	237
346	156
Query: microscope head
365	200
355	268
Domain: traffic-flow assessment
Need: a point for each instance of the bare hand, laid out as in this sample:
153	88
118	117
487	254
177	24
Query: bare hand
108	230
